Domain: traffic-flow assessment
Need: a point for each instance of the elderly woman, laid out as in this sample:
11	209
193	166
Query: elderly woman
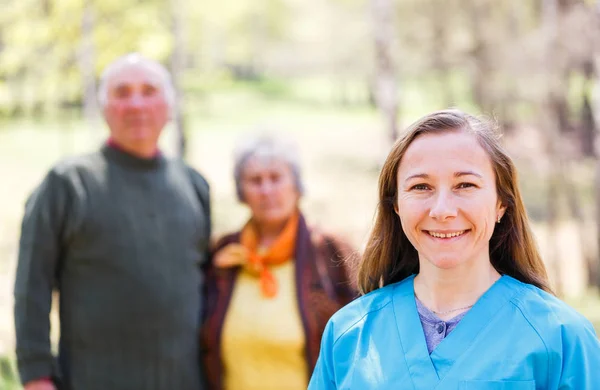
456	295
274	284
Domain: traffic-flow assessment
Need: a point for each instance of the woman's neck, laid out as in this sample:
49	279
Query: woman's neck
268	233
445	290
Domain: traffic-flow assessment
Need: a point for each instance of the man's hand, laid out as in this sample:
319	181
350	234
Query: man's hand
41	384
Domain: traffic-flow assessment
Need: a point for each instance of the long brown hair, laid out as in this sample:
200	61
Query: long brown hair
389	256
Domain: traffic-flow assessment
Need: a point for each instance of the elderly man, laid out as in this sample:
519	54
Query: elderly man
122	235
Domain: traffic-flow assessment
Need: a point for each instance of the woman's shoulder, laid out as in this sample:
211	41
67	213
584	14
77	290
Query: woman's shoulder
377	303
547	313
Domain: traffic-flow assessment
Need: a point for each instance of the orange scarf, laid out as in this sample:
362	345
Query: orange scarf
279	252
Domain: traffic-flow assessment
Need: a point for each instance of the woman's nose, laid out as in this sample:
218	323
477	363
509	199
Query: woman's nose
443	206
265	187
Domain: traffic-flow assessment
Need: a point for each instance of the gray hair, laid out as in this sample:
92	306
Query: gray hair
136	59
266	147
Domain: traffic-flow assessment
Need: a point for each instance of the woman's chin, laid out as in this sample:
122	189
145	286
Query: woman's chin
275	218
446	263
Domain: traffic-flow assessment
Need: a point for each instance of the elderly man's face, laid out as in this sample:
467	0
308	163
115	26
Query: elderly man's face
136	109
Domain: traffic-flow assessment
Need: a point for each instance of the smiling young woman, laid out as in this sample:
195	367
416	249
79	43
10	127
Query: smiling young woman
451	269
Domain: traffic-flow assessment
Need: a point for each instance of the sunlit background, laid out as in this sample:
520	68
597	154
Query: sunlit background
342	78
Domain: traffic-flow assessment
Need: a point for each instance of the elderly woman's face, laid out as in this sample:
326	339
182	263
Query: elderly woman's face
269	189
447	199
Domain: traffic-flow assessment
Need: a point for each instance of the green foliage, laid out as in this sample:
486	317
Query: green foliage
8	376
40	64
263	40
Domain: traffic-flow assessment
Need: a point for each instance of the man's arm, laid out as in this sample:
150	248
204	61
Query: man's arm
39	253
202	189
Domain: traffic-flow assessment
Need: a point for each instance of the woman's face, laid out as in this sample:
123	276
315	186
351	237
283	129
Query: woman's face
269	189
447	199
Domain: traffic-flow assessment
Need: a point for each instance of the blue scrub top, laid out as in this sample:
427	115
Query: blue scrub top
516	337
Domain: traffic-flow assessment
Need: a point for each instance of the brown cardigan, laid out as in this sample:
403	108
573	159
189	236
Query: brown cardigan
322	287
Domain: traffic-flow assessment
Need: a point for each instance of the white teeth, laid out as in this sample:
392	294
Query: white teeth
446	235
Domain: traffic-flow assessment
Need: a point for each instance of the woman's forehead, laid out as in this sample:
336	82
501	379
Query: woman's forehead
265	162
449	152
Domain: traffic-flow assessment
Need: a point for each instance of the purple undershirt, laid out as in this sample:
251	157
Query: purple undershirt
434	328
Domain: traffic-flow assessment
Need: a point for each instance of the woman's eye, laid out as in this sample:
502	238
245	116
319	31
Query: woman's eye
466	185
420	187
254	180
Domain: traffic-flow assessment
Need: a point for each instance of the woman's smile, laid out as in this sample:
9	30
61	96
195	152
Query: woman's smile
446	235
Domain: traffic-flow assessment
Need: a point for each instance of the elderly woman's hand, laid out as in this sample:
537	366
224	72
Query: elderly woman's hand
231	255
234	255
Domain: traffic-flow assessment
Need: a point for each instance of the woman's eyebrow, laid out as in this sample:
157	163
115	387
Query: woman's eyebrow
417	176
467	173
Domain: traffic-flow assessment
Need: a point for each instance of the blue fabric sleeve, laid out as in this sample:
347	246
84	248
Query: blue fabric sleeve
581	357
323	377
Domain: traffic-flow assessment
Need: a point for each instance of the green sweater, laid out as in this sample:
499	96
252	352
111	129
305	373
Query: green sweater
122	239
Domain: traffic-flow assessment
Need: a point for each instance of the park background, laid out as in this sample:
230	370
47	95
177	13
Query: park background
340	77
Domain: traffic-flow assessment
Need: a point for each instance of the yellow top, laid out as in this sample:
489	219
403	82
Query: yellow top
263	340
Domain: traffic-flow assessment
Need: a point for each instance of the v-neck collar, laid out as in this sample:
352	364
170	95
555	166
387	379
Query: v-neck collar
412	338
427	371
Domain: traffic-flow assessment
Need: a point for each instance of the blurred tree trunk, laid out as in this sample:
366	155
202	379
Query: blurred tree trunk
442	69
582	223
595	267
386	88
341	88
585	131
588	139
552	134
258	43
508	102
177	66
87	64
588	124
482	77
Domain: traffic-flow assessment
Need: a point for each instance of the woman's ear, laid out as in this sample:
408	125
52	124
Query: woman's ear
500	211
